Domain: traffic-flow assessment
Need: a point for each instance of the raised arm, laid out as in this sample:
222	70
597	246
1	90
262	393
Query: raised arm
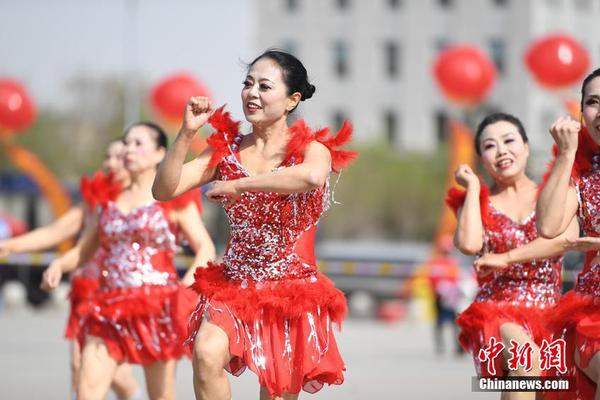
173	176
468	237
557	203
190	222
303	177
65	227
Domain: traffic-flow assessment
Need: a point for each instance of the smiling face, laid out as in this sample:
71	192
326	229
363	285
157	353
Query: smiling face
265	96
503	152
141	149
591	108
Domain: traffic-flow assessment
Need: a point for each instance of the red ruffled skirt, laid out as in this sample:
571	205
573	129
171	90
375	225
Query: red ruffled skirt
139	325
281	330
482	320
576	319
83	290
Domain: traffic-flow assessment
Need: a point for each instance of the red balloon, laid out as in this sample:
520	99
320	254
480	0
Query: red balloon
557	61
465	74
17	111
171	94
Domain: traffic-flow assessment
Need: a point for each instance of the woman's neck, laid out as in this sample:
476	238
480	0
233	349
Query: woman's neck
275	132
142	181
518	184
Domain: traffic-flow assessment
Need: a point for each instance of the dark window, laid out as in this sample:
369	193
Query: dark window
394	4
442	44
338	119
390	121
392	59
446	3
441	126
292	5
340	58
343	4
501	3
291	47
583	5
498	52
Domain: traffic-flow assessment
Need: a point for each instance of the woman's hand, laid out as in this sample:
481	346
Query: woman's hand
491	262
52	276
465	177
226	192
197	111
565	132
587	243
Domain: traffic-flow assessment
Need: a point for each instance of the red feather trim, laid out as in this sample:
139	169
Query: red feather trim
302	136
226	130
99	189
482	320
288	299
455	198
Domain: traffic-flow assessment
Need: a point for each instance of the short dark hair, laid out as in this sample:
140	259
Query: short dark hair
497	117
160	136
293	71
594	74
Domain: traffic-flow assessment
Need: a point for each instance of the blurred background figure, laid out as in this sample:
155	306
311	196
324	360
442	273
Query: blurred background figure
444	274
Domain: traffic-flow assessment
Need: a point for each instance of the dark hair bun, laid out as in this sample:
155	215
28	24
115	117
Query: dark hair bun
308	91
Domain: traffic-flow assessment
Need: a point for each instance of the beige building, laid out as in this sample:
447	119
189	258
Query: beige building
371	60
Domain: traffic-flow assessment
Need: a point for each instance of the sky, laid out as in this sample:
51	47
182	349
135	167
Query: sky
45	43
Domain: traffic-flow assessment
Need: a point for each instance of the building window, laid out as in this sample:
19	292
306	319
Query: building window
583	5
343	4
390	121
445	3
500	3
291	47
441	126
394	4
291	5
340	54
338	119
498	52
392	58
442	44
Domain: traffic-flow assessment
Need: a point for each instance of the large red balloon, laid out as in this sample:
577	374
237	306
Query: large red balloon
17	111
557	61
171	94
464	74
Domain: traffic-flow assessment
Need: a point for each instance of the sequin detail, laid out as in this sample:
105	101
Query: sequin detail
265	227
134	243
530	284
588	192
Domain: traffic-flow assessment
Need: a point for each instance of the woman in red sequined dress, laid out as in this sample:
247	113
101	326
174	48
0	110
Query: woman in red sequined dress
140	310
519	274
265	307
104	184
573	189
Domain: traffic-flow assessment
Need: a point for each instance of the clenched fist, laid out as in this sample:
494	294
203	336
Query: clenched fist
565	133
197	112
465	177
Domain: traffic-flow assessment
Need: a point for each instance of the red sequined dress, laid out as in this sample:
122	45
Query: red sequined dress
267	294
97	190
139	308
577	317
522	293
